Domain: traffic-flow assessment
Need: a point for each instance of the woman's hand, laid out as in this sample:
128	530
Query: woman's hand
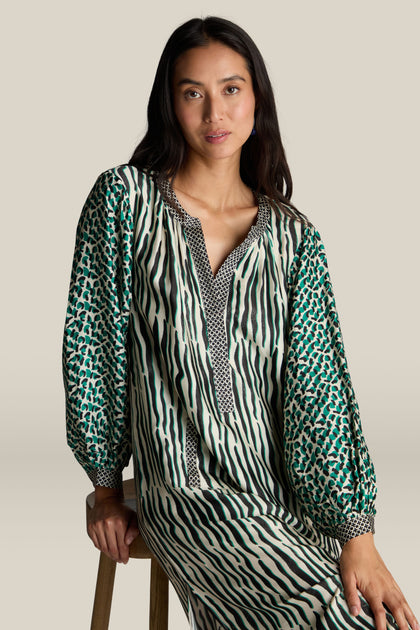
112	526
363	568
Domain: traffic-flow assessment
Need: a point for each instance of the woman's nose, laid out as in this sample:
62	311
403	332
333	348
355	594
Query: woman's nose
213	109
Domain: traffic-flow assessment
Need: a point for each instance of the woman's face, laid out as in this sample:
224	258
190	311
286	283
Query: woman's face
214	101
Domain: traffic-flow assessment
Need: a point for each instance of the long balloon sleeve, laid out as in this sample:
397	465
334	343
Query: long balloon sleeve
326	455
95	339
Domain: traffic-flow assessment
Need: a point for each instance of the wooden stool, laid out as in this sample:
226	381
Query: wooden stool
158	612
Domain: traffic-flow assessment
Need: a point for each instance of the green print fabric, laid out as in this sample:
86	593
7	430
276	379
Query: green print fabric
233	396
95	363
326	454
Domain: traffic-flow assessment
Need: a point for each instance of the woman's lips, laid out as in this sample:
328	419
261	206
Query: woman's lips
217	137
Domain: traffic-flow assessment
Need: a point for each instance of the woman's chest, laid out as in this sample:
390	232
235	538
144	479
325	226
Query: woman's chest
175	285
224	232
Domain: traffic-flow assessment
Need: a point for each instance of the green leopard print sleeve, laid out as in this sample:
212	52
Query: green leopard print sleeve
94	349
326	455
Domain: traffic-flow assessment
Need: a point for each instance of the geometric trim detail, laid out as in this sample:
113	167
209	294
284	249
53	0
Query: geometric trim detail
191	447
107	478
215	289
355	526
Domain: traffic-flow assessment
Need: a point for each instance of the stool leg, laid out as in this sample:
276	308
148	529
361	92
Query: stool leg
103	593
159	587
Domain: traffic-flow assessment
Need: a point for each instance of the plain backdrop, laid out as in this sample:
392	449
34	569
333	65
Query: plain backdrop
76	78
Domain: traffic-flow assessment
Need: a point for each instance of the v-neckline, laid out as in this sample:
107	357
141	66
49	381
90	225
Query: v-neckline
214	290
189	221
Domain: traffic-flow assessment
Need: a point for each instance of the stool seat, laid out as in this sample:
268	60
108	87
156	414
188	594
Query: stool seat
159	585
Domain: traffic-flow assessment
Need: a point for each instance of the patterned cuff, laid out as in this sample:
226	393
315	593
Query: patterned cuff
355	526
108	478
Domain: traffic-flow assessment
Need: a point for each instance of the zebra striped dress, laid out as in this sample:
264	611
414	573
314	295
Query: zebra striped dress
233	396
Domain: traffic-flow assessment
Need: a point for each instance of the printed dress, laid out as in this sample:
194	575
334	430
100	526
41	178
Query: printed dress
233	396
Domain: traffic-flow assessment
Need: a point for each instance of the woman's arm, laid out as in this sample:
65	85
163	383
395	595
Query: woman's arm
326	454
95	361
95	365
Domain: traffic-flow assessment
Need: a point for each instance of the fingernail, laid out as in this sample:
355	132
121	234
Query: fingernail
354	611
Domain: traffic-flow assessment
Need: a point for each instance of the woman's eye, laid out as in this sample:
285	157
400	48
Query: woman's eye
192	94
232	89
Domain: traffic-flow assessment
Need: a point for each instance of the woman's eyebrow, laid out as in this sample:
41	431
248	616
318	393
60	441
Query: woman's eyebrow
233	77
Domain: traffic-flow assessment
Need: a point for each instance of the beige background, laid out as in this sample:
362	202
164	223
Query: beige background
77	78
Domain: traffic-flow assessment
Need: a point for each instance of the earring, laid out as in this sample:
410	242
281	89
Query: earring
253	132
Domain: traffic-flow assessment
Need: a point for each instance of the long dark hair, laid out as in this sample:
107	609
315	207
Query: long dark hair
263	165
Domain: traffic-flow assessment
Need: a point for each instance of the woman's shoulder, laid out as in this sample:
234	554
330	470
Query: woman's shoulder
287	218
293	214
118	196
293	230
129	176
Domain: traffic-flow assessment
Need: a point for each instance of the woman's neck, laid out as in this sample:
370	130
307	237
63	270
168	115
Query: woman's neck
217	185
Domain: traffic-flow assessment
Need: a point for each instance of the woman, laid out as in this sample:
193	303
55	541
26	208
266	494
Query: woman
202	337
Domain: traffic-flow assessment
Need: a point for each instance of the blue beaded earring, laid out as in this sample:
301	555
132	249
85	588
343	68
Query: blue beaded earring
253	132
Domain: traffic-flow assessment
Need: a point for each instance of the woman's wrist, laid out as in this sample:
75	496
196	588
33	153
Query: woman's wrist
102	493
363	540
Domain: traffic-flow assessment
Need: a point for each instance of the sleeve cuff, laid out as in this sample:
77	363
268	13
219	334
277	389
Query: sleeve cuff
108	478
355	526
